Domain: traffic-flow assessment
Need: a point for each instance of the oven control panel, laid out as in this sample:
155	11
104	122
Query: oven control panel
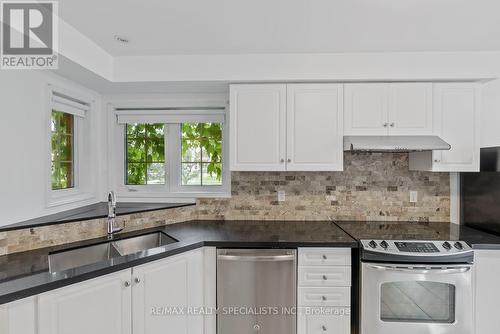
432	250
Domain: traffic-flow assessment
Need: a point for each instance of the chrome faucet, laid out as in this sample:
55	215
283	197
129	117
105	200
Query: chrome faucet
112	215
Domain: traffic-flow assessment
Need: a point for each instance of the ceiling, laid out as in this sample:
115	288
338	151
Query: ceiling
173	27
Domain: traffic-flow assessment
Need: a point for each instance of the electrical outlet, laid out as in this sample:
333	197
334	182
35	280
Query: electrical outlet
413	196
281	195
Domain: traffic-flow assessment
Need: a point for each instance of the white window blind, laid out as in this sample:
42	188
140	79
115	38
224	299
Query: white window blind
170	116
69	105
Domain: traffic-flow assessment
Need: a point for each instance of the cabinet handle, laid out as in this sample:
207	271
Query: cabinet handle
137	280
325	278
392	124
385	125
289	160
127	284
323	328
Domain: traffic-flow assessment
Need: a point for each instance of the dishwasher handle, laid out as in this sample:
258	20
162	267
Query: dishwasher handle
257	258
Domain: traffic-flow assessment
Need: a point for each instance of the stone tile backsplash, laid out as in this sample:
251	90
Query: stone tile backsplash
373	186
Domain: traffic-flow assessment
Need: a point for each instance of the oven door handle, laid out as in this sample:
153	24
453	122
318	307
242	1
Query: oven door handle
420	270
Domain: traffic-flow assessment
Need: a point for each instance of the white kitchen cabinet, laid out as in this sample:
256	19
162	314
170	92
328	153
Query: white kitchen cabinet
486	291
388	109
324	291
456	121
410	109
100	305
296	127
324	324
185	282
366	109
19	317
315	134
257	127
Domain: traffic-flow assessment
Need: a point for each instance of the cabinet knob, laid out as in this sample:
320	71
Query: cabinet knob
289	160
437	160
392	124
324	257
385	125
127	284
282	160
137	280
325	278
323	328
323	298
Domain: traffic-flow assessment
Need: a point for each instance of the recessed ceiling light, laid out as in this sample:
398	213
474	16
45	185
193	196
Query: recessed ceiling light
122	39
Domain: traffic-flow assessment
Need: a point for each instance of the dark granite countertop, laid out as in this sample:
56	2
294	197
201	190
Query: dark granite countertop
420	231
26	274
93	211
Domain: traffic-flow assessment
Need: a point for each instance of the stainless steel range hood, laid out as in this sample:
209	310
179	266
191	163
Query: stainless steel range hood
394	143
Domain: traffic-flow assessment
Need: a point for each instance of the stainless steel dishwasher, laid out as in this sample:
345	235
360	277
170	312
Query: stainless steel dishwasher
256	291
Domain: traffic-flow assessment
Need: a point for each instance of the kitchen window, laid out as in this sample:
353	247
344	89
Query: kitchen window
62	157
69	160
170	153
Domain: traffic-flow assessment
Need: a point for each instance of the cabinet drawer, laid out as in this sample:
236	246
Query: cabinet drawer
324	297
324	257
324	324
324	276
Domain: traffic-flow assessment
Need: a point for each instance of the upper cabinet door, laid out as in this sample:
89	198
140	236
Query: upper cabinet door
410	109
100	305
457	120
314	127
366	109
257	119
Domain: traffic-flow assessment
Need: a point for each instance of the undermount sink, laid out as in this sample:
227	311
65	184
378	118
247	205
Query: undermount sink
101	252
143	242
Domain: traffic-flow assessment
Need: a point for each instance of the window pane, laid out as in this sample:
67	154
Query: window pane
201	154
145	154
191	174
210	172
417	301
62	155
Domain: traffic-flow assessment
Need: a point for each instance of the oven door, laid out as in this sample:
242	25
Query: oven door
416	299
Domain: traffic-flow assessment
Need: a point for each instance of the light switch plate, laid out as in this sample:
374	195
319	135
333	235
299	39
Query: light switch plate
413	196
281	195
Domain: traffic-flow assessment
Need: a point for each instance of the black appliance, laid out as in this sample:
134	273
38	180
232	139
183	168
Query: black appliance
480	194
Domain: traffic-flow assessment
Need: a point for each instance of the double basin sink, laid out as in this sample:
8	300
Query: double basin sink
105	251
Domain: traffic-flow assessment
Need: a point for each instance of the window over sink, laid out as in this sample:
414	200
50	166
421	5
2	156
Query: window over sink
169	153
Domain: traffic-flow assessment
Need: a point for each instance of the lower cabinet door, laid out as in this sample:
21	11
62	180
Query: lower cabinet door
18	317
324	324
100	305
170	294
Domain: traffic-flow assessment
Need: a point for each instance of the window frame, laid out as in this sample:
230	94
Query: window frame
172	190
81	126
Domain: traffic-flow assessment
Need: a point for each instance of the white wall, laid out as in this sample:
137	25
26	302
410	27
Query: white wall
23	140
490	125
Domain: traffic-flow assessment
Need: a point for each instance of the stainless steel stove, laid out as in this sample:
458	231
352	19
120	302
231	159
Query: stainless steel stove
416	287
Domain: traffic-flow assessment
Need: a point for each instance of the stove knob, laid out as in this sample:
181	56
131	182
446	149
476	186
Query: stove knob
458	245
446	245
372	244
384	244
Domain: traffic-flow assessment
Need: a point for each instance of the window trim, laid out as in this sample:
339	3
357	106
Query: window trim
172	190
76	194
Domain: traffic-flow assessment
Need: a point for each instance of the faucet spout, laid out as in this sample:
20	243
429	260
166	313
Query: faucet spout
112	215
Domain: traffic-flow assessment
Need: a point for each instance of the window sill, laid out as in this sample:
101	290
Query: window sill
93	211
